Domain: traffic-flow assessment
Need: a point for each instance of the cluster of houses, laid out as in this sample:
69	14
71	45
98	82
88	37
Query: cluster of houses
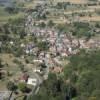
60	46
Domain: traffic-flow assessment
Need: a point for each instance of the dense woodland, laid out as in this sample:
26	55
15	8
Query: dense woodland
81	80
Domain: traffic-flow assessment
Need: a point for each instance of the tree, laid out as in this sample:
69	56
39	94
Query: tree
43	45
21	66
42	25
43	65
11	86
12	9
1	65
50	23
1	76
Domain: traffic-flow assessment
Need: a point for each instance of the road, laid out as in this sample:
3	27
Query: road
35	89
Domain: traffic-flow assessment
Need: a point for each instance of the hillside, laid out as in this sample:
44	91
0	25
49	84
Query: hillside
49	49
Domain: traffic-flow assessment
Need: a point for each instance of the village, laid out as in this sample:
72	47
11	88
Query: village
50	55
45	48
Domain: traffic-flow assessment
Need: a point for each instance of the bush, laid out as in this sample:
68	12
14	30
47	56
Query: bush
22	87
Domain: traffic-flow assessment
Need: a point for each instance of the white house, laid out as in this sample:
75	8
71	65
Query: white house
32	81
70	49
11	42
22	45
37	70
27	51
37	61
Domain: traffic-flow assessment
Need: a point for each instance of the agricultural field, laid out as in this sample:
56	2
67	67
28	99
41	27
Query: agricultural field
73	1
93	18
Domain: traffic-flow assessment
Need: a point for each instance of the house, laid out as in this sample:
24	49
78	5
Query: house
70	49
56	69
37	70
27	51
38	61
64	54
32	81
24	78
11	42
22	45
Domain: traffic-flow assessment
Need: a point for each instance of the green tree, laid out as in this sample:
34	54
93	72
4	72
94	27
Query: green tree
1	65
42	25
44	46
11	86
50	23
